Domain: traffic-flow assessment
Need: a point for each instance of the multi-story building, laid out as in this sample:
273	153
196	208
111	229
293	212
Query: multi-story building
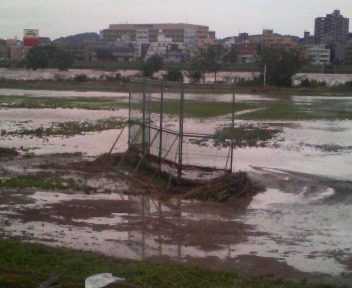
307	39
334	28
116	53
247	52
228	42
30	37
317	54
348	52
204	40
333	31
164	44
44	41
269	40
193	36
3	52
17	50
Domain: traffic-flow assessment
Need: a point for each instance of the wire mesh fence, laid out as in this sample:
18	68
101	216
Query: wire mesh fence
170	129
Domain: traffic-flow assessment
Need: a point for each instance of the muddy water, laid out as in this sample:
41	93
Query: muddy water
210	97
90	144
287	226
300	227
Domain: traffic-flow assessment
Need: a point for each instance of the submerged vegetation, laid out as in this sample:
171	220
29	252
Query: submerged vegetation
289	110
8	152
89	103
44	180
191	108
248	135
71	128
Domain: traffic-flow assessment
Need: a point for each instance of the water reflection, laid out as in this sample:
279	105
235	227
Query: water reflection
179	229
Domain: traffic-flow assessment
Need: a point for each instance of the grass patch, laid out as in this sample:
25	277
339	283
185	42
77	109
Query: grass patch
29	265
71	128
44	180
248	135
8	152
287	110
89	103
191	108
200	109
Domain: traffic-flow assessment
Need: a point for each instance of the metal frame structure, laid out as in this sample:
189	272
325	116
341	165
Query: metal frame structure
147	127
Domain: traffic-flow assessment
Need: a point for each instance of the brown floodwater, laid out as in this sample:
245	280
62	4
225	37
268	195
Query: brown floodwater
299	227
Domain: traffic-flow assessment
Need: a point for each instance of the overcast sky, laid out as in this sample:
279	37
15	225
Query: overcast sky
56	18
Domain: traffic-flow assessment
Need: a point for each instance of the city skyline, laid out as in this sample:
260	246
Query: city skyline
61	18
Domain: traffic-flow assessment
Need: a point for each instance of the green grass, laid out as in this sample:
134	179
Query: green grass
113	86
71	128
90	103
29	265
248	135
201	109
44	180
287	110
191	108
283	109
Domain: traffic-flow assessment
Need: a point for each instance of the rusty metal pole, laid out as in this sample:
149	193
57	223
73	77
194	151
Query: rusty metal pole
161	120
232	128
143	117
129	116
180	150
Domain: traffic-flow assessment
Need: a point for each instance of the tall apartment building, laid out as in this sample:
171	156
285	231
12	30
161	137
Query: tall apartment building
348	51
332	29
191	35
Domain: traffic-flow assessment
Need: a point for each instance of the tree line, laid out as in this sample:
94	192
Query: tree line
48	57
280	65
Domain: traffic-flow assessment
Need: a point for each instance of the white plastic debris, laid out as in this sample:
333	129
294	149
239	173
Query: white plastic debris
101	280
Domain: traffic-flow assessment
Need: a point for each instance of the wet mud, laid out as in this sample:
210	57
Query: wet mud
299	228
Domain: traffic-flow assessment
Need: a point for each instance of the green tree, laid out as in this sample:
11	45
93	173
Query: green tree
195	76
173	75
231	56
281	65
151	65
48	56
37	58
63	59
210	59
104	54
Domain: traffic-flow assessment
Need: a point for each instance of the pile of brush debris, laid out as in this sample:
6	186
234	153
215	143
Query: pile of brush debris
226	187
220	189
8	152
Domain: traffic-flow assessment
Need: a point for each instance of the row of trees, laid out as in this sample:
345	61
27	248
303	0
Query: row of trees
48	56
279	65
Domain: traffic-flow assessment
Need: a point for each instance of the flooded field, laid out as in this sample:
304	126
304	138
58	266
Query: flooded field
299	227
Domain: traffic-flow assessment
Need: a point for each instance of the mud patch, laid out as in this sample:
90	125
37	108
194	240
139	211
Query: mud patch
8	152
